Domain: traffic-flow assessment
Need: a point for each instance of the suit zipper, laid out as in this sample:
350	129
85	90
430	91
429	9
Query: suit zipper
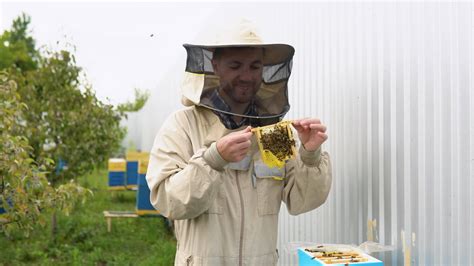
241	243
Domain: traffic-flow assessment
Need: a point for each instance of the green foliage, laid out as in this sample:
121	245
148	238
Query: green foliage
70	123
25	191
17	48
49	115
66	119
24	185
141	98
84	240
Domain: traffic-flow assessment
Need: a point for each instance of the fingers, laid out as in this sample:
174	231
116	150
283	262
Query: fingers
243	142
306	121
318	127
322	135
243	145
240	150
244	137
234	146
309	123
245	130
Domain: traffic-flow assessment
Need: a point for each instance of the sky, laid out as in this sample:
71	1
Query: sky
120	45
124	45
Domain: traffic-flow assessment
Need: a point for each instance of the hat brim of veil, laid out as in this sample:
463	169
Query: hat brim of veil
275	53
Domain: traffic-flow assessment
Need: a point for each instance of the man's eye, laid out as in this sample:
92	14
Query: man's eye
234	67
256	67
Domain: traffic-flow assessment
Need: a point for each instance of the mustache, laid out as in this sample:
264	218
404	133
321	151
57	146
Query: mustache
244	83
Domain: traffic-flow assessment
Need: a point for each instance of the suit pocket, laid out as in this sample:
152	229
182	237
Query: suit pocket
269	183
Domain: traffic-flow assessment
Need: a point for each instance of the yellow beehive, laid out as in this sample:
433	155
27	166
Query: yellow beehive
133	156
142	166
117	165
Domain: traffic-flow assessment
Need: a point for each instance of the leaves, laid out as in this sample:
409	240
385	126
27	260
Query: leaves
23	189
68	123
141	98
48	118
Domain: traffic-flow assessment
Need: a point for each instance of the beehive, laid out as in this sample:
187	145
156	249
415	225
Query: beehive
117	168
133	158
144	206
332	254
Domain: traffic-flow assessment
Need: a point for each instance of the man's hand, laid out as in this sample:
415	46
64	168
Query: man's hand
311	133
234	147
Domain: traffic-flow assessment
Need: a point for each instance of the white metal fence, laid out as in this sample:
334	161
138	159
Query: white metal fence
393	82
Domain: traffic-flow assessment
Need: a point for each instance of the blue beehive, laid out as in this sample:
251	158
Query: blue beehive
117	169
306	258
144	206
132	174
132	169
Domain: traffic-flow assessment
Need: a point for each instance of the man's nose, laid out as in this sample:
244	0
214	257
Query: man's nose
246	75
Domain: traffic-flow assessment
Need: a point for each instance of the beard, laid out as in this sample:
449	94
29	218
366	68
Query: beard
241	92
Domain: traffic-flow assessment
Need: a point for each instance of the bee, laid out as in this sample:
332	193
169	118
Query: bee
278	142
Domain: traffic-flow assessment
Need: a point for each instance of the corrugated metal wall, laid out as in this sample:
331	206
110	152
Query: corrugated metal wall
393	82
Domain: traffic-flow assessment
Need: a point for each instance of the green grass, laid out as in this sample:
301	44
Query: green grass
82	237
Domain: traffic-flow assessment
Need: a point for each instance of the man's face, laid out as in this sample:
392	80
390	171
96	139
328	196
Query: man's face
240	72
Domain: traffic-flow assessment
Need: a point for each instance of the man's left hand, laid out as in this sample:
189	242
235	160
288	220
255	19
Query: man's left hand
311	133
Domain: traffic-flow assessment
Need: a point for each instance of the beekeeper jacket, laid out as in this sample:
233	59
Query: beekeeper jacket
227	213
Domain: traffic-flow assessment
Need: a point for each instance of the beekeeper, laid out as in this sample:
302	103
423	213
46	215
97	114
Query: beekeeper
206	172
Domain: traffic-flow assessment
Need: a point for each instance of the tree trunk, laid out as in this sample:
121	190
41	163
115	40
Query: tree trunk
54	226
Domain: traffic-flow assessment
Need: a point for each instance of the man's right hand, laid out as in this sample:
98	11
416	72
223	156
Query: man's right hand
234	147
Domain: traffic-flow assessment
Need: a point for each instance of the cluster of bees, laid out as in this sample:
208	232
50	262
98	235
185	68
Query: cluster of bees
277	141
334	256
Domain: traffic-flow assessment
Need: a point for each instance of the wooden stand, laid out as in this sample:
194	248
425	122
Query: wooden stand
117	214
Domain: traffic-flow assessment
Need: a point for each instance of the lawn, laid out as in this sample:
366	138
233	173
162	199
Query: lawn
82	237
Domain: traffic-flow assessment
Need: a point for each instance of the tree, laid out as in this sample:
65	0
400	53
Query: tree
25	190
64	121
69	122
135	106
17	48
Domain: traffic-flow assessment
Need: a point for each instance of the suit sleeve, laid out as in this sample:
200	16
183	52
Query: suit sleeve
308	181
182	183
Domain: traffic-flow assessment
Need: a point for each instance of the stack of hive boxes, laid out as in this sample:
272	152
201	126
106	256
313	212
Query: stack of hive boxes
117	169
130	174
132	168
144	206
